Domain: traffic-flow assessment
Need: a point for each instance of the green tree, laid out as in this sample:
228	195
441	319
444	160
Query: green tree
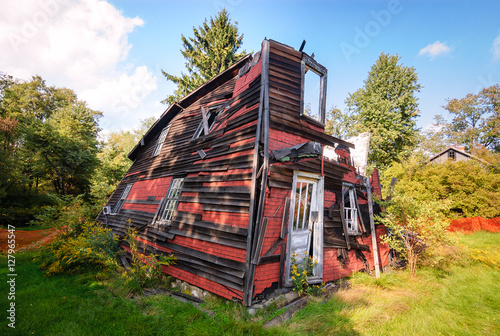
434	139
387	108
52	139
476	119
212	50
113	158
339	124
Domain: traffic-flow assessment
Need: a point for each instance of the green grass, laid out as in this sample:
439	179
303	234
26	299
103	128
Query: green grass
459	299
462	298
83	305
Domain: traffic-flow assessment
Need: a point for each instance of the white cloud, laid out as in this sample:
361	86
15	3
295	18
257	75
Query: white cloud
495	48
435	49
79	44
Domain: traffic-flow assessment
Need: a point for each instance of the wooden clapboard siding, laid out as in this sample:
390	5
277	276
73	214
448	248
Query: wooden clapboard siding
229	230
218	182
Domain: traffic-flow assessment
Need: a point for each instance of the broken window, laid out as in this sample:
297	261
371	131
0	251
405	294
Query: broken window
313	89
210	116
351	210
122	199
168	205
161	140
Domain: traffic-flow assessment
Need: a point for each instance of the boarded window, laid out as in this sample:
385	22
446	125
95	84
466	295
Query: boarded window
211	114
168	205
122	199
161	140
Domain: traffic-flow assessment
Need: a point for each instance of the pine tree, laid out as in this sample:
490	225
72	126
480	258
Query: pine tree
212	50
387	108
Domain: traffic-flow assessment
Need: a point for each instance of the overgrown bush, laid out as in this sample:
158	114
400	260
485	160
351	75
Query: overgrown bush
145	271
65	210
417	229
80	247
471	188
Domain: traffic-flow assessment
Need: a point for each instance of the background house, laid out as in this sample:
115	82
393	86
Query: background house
454	153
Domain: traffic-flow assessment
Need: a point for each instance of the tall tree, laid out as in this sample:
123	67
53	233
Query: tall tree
49	139
476	119
212	50
339	124
387	108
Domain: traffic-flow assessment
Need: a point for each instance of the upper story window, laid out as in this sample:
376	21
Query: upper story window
122	199
169	204
313	91
210	114
451	155
161	140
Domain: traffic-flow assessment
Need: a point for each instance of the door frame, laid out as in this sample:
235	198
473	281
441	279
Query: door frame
317	240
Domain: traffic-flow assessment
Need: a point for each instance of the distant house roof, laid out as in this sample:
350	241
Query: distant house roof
456	154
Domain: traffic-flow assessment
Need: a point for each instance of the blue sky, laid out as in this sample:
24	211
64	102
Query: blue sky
112	53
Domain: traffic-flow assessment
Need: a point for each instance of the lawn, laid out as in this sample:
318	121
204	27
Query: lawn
462	298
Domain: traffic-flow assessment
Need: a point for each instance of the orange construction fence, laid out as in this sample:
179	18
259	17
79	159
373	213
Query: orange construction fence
470	225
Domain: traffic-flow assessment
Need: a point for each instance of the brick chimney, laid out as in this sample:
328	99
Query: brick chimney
461	148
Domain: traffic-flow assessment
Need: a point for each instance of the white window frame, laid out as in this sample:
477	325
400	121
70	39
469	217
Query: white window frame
309	64
161	140
122	199
168	205
210	110
351	214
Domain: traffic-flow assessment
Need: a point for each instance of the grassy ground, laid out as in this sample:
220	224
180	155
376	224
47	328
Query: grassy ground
458	299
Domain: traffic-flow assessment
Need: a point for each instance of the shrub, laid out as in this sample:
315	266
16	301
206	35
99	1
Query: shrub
78	248
64	210
144	271
417	229
471	188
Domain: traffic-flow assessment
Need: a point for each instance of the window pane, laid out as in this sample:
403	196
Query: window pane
171	200
303	195
122	199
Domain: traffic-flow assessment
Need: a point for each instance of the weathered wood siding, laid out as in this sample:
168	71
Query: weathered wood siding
208	232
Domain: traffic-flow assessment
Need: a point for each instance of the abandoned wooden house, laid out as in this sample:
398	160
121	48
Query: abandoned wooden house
232	181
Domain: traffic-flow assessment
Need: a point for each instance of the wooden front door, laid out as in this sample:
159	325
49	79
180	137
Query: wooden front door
305	227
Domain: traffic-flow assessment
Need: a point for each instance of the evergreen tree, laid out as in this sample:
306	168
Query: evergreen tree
387	108
212	50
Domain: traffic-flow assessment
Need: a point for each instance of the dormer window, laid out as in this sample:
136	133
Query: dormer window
210	116
313	95
161	140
